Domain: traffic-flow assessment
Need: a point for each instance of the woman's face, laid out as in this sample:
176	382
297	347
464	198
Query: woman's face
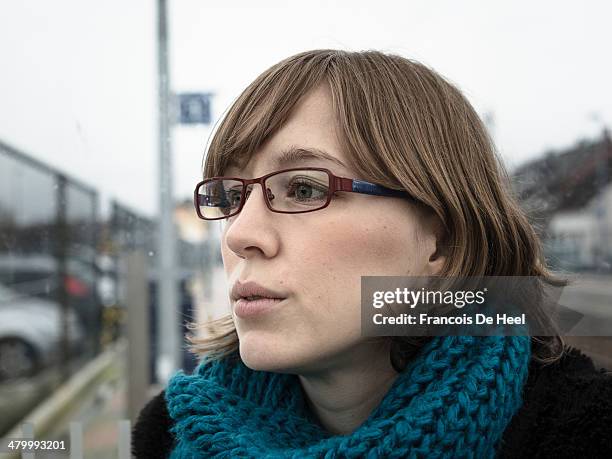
315	260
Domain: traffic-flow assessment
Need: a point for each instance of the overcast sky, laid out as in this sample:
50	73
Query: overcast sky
78	78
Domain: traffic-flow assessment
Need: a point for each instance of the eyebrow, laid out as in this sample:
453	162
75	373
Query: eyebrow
295	154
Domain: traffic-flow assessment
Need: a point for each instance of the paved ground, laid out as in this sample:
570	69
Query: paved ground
101	430
19	397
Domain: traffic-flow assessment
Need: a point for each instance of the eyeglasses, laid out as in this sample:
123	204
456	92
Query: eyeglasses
288	191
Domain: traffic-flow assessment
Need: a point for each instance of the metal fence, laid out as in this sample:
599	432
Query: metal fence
50	314
63	282
48	246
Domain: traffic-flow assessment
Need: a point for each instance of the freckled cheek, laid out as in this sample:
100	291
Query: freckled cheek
327	274
363	249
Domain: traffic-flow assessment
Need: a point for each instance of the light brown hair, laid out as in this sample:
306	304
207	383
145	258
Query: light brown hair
403	126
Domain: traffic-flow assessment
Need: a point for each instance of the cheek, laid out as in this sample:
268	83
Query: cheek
230	259
328	272
378	246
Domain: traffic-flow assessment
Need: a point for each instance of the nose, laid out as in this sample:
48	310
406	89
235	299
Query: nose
253	232
268	191
258	198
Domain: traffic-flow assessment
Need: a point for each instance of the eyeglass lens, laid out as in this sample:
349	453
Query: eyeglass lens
289	191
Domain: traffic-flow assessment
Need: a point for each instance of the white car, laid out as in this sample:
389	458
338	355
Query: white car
31	333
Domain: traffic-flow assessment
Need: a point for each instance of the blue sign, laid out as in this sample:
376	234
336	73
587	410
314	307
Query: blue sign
194	108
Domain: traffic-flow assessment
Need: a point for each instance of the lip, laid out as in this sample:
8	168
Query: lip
248	308
244	308
251	288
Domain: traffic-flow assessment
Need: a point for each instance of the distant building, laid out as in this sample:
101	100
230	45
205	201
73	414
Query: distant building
568	196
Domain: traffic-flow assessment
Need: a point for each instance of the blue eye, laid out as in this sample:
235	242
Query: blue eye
305	190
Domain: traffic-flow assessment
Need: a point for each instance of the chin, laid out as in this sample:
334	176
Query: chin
267	353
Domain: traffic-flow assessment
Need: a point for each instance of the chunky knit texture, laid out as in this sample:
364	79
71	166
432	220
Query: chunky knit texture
453	400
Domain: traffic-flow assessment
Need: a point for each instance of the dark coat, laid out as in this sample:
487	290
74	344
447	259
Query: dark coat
566	413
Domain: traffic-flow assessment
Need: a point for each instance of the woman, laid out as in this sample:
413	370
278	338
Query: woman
288	373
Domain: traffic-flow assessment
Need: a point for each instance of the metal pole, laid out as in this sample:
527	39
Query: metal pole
137	299
61	248
95	242
168	326
602	214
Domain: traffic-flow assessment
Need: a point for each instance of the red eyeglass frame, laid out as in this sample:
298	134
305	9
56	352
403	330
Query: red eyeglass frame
336	183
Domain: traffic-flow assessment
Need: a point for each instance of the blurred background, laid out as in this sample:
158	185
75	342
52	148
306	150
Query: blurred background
105	113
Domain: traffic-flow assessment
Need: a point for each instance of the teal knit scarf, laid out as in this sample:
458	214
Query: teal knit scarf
453	400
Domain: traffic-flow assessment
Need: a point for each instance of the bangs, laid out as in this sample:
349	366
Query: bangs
262	109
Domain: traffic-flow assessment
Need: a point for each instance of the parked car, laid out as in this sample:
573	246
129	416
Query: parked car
36	275
31	334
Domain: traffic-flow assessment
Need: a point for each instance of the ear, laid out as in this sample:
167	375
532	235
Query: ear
435	251
436	261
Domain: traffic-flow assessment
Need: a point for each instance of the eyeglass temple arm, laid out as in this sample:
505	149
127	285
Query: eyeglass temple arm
363	187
